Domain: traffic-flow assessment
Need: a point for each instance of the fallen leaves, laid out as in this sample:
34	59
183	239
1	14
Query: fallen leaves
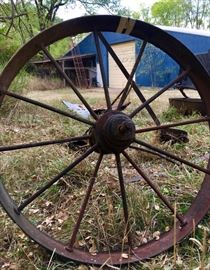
10	266
156	235
124	255
54	221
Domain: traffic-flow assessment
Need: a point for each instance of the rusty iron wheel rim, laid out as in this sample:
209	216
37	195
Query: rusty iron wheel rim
188	62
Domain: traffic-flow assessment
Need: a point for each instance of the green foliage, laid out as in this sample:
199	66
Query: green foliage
169	12
91	7
60	47
13	33
181	13
18	85
170	115
198	13
8	46
125	12
142	14
23	19
20	81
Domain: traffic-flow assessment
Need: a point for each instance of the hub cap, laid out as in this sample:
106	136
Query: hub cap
113	132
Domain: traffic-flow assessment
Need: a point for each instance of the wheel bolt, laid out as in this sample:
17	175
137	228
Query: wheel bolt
123	127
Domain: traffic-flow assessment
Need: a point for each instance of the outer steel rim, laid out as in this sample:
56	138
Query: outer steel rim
199	77
196	212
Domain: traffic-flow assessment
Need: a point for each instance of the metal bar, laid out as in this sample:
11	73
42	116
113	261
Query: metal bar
124	200
130	79
172	156
155	188
48	107
76	91
182	123
63	69
84	205
37	144
153	153
126	74
160	92
118	96
55	179
103	75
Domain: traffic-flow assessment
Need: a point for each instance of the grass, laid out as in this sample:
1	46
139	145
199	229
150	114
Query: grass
103	227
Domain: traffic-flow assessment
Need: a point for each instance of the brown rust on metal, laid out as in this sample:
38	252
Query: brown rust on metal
188	106
175	124
114	132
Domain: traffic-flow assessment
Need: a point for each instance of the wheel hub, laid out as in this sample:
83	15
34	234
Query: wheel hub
113	132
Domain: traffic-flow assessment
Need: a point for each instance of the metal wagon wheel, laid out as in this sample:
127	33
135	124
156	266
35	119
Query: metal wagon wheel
112	133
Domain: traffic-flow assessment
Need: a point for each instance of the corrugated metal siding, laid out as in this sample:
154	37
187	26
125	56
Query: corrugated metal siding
158	69
195	43
126	53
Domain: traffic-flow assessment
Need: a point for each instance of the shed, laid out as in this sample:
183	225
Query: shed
156	68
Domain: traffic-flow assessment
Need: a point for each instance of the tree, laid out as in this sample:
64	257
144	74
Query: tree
47	9
19	13
186	13
20	20
91	6
123	11
170	12
143	13
198	14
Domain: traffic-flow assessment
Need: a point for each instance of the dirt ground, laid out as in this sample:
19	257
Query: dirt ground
60	94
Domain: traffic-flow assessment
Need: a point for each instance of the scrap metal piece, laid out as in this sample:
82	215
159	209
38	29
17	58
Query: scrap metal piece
77	109
174	136
83	112
188	106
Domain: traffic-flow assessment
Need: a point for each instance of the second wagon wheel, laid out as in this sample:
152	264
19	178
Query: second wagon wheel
126	197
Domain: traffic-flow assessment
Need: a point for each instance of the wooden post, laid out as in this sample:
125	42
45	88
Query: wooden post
63	69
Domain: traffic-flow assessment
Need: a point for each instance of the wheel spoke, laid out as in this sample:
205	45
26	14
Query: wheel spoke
127	88
55	179
44	143
124	200
155	189
126	74
153	153
84	204
71	84
48	107
172	156
160	92
182	123
103	75
119	95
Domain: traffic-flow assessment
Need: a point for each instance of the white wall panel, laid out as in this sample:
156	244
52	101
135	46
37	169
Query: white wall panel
126	53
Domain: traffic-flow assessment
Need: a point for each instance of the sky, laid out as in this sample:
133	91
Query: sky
68	13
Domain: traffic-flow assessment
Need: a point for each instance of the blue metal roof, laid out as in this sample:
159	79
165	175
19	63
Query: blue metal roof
189	31
164	68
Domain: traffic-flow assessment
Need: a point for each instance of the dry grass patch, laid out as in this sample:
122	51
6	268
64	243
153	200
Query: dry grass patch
41	84
103	226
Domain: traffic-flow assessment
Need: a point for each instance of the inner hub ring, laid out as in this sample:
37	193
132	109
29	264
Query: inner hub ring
113	132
